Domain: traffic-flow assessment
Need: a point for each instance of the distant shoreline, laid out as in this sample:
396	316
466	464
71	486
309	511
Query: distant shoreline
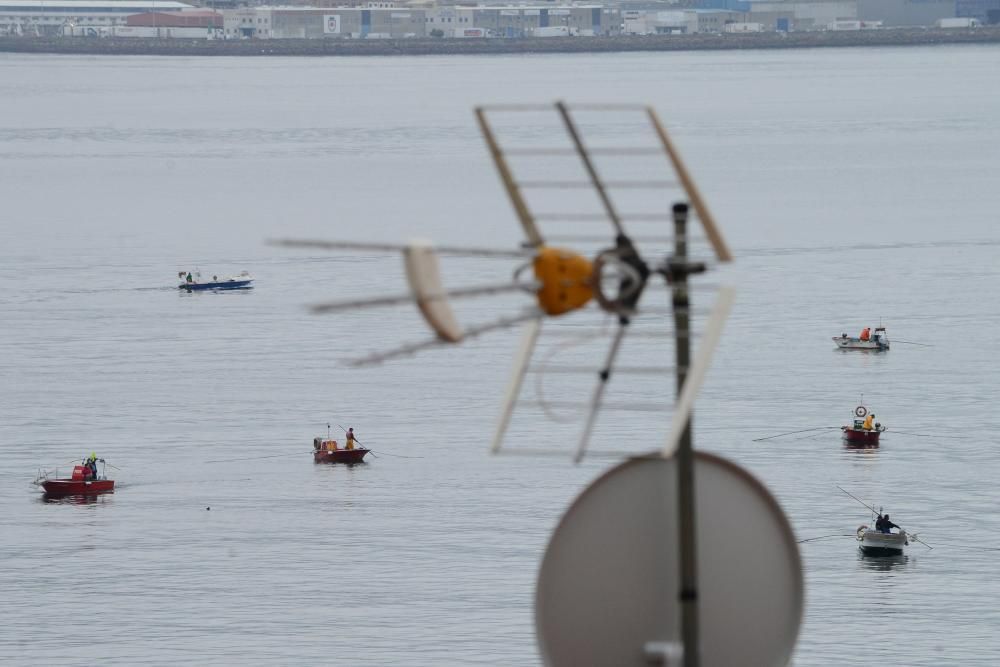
430	46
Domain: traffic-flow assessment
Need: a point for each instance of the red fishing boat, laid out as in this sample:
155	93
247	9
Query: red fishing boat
328	451
83	482
864	431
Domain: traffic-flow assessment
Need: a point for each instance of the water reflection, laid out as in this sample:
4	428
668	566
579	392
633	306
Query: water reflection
75	500
863	452
882	563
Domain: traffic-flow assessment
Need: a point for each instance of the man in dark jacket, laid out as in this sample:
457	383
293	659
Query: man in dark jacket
883	525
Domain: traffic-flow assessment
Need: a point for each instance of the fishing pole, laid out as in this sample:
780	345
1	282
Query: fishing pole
906	342
859	500
912	536
372	451
812	539
254	458
929	435
805	430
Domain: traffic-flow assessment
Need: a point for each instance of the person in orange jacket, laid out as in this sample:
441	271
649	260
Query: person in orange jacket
866	333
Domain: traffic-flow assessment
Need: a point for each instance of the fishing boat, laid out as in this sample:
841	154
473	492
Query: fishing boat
80	483
328	451
873	543
877	341
856	435
192	282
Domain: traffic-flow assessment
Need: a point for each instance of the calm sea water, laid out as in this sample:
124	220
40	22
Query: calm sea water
853	184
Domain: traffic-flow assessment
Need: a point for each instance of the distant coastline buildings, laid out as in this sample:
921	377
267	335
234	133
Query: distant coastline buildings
450	19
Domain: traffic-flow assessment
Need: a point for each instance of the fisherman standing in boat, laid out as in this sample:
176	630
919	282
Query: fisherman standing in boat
883	525
91	464
189	278
866	333
350	438
868	422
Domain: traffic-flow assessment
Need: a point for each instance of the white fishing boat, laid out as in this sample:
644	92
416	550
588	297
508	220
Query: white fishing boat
875	543
868	340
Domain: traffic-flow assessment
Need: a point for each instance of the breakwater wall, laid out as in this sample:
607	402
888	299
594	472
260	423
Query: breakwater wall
430	46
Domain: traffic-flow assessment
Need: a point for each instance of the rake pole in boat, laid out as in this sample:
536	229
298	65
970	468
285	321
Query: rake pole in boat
907	342
859	500
879	513
804	430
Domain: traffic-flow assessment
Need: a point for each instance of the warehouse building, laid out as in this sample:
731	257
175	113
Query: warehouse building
320	23
534	21
398	22
810	14
51	17
899	13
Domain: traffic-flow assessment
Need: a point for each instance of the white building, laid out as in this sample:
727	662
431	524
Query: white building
453	21
52	16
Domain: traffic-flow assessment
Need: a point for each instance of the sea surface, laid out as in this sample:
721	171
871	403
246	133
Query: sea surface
855	186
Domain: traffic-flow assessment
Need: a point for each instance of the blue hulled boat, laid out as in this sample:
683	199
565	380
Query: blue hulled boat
192	282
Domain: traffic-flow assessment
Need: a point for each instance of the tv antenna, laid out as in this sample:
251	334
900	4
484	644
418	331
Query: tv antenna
648	502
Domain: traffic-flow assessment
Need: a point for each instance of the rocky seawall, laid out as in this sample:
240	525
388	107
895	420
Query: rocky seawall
430	46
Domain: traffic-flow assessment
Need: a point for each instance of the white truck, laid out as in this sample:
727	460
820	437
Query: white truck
553	31
743	27
958	23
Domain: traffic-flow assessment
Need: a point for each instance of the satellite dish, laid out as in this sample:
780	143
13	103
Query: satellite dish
608	588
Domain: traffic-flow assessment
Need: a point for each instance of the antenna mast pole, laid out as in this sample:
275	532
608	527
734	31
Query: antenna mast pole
678	270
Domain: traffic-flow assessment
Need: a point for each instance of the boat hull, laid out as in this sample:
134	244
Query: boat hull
860	437
60	488
349	456
220	285
873	543
849	343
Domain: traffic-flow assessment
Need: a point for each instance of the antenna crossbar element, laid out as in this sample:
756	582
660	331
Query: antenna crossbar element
591	370
586	154
470	332
629	185
399	247
603	376
555	151
510	185
707	221
529	338
395	300
601	217
588	164
630	406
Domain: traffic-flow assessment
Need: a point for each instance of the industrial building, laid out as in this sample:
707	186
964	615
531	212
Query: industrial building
691	21
536	21
51	17
986	11
900	13
398	22
808	14
319	23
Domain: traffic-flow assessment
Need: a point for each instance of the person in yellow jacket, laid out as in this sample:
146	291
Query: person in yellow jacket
868	422
91	463
350	438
